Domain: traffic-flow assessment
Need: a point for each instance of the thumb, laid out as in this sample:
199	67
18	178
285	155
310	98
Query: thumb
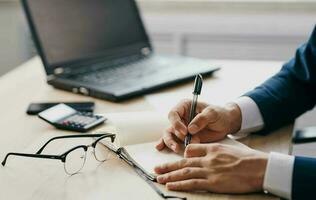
195	150
207	116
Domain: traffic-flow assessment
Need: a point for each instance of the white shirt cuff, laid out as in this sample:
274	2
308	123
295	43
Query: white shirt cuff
278	176
251	117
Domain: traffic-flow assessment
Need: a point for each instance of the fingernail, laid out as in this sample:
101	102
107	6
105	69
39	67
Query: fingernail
193	128
160	179
173	147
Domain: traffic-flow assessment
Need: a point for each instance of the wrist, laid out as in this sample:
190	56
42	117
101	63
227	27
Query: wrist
262	161
234	116
257	164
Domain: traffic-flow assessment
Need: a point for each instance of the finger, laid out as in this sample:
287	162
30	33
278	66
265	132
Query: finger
211	136
177	114
182	174
207	136
160	145
170	142
195	139
202	119
195	150
179	135
168	167
176	122
188	185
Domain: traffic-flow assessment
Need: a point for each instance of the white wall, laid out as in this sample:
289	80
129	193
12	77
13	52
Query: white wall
13	45
224	29
202	28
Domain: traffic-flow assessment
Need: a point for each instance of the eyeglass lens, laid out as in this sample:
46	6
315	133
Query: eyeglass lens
101	152
75	161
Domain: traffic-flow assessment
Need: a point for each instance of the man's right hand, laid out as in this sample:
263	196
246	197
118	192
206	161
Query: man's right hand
212	123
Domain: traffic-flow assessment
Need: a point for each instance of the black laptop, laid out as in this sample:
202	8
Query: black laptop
100	48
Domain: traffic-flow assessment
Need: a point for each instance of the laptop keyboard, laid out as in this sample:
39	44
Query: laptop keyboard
114	74
146	72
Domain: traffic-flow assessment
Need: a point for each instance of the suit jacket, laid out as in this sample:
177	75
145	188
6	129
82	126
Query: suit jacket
285	96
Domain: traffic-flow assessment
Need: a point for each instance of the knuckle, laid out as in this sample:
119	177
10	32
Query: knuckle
186	171
182	163
166	137
209	109
185	101
172	113
169	129
167	177
212	112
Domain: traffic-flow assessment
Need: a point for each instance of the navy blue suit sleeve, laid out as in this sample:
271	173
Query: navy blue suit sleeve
290	92
304	179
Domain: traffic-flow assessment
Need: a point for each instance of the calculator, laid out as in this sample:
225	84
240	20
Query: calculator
65	117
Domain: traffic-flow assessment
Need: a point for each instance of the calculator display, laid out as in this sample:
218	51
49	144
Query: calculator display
57	113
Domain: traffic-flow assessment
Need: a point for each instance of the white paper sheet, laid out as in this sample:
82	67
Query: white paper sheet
138	127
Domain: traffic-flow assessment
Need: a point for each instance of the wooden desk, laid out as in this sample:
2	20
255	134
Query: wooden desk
45	179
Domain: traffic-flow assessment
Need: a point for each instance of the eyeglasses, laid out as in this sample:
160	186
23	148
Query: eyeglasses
74	159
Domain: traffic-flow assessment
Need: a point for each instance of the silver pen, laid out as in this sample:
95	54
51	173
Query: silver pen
196	92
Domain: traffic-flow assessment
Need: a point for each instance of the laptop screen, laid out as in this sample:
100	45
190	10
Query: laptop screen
72	30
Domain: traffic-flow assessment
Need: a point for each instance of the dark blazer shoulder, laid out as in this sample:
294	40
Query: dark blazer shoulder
290	92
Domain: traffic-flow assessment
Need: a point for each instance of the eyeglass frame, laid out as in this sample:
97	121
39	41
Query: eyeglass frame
63	156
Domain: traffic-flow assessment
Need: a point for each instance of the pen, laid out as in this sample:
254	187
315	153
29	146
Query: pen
196	92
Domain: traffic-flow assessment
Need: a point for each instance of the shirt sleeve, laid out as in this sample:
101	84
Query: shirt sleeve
251	117
279	174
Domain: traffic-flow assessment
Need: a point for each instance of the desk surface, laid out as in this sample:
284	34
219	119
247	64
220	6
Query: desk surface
38	179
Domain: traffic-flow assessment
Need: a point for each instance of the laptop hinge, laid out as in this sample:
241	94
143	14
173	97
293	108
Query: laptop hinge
62	70
58	70
146	51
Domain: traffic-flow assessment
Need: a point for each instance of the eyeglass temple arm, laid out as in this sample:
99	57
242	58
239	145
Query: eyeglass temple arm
72	136
31	155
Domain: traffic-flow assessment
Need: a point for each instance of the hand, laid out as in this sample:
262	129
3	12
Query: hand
212	123
216	168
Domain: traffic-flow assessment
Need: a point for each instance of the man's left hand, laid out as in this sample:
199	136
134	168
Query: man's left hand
216	168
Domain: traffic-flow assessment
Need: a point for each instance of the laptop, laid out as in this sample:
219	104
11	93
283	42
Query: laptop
100	48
